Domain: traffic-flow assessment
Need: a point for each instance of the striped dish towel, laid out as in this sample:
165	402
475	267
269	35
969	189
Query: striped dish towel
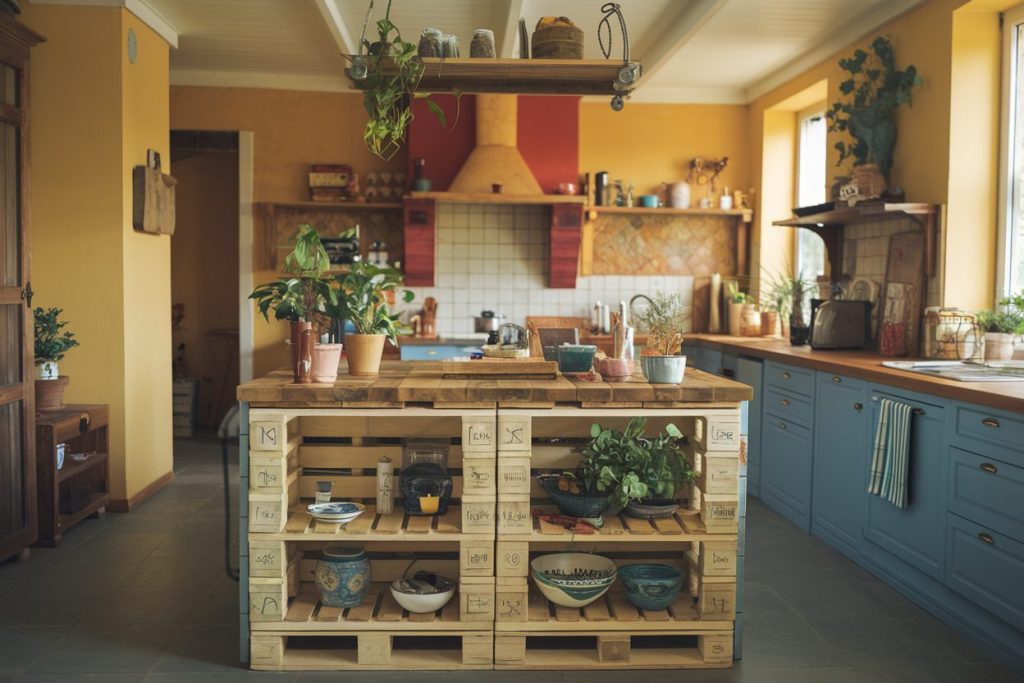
891	459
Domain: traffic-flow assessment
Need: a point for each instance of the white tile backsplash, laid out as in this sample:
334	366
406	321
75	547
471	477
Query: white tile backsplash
496	257
866	252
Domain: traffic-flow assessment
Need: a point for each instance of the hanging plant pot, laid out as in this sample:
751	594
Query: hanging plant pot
869	180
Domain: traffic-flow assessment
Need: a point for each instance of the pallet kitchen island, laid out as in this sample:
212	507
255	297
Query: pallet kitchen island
500	434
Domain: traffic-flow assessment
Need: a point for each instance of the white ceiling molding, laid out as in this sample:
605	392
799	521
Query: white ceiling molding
140	8
331	13
680	29
844	36
510	39
258	79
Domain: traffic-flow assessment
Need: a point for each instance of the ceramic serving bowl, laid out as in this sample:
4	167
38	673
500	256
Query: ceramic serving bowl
615	369
573	579
575	505
336	512
424	593
651	586
655	508
550	352
576	357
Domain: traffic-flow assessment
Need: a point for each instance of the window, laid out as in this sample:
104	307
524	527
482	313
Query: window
1011	204
810	191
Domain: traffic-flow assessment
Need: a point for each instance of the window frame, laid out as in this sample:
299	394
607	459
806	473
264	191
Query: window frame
817	109
1011	78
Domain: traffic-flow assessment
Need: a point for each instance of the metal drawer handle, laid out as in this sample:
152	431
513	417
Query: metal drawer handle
858	406
986	538
782	426
785	375
918	411
837	379
991	422
784	401
988	467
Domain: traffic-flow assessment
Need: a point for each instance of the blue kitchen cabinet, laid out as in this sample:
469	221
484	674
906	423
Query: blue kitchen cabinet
748	371
841	458
786	469
436	351
915	534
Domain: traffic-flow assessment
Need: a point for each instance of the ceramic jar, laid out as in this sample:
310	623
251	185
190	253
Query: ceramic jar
750	321
663	369
679	195
998	346
343	576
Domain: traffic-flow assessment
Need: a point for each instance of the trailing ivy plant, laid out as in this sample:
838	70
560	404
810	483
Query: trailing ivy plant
52	341
362	300
875	89
303	296
631	467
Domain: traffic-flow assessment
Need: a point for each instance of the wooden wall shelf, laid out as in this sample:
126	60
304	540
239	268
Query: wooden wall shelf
471	198
746	214
518	76
829	226
339	206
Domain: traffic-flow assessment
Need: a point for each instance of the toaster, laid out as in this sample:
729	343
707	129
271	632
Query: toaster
840	324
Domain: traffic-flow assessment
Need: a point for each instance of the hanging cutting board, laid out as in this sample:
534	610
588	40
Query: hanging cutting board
905	284
152	201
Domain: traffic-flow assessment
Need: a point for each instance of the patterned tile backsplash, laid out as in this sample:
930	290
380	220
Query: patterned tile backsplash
866	252
496	257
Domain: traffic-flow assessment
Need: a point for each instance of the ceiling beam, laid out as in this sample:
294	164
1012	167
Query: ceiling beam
680	28
510	38
330	10
841	38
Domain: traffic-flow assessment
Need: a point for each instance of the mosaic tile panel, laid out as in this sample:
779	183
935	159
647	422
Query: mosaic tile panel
664	245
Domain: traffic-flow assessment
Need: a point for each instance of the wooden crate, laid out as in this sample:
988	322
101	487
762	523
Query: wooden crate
377	650
586	649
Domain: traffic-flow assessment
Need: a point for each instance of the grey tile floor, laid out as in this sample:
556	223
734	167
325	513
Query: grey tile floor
144	597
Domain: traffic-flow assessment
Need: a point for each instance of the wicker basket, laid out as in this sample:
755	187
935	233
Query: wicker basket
562	40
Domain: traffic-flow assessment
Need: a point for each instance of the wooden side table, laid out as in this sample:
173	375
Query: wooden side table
81	487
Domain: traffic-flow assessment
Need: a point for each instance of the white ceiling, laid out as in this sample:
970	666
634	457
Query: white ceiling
727	51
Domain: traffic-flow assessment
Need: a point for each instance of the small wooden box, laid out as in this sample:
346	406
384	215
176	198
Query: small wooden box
716	600
718	473
267	559
713	558
719	512
476	598
514	433
267	472
513	475
479	436
511	599
722	434
476	557
514	516
716	647
268	599
513	559
268	436
478	515
478	476
268	511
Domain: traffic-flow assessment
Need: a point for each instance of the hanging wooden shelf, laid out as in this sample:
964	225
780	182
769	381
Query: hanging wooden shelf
518	76
829	226
472	198
745	214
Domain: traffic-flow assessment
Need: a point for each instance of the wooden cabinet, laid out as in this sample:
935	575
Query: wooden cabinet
786	472
841	460
986	567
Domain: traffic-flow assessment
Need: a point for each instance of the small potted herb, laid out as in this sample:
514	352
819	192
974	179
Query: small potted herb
362	301
665	319
737	301
52	341
300	299
1003	326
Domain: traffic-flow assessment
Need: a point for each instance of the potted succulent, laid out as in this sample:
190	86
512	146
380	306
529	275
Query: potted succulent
362	301
1003	326
875	89
665	319
52	341
300	299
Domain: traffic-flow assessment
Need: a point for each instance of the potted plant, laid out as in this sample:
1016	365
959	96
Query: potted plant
665	319
52	341
875	89
362	301
1003	326
300	298
799	328
777	301
738	306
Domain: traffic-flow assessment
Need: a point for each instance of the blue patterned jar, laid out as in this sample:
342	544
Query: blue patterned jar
343	576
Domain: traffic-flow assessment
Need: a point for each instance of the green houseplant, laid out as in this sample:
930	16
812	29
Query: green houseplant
1003	326
362	300
874	89
52	341
300	298
665	319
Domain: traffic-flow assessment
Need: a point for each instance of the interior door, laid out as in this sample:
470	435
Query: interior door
17	405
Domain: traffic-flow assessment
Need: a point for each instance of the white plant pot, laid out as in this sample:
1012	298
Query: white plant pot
999	346
47	369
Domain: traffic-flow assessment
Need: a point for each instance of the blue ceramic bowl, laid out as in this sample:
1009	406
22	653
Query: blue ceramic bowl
579	505
649	201
651	586
576	357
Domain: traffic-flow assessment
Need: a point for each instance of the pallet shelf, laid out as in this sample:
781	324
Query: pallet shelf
410	650
372	526
587	649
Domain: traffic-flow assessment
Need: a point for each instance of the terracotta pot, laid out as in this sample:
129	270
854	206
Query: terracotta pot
363	352
301	345
50	393
769	323
869	179
750	321
326	358
998	346
736	319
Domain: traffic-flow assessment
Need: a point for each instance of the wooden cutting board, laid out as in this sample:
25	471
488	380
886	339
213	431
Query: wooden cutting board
505	368
905	284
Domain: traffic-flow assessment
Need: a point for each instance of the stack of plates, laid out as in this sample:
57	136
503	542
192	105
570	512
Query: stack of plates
335	513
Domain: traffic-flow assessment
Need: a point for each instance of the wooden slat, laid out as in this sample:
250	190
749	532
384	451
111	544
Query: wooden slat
567	614
390	524
667	526
364	612
330	614
622	609
419	524
538	607
597	610
302	607
640	527
389	610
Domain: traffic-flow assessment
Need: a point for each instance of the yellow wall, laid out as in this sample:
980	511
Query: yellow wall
91	118
648	144
291	130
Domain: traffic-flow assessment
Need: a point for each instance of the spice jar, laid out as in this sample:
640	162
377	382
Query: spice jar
430	43
449	46
483	44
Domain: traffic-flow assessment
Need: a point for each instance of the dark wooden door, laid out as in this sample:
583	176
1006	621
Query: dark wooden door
17	404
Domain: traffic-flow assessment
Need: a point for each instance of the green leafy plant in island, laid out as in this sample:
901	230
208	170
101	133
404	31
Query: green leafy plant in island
665	320
874	90
1006	318
52	341
362	300
304	294
631	467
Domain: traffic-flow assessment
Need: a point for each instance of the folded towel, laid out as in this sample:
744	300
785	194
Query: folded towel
891	459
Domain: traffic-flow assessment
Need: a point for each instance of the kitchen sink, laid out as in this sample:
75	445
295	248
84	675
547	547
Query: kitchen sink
964	371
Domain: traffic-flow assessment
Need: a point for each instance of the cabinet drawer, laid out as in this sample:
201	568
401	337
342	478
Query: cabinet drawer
788	406
986	568
797	380
988	492
994	433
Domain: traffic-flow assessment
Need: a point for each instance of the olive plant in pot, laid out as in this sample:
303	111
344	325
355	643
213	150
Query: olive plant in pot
300	299
665	320
362	301
1003	326
52	341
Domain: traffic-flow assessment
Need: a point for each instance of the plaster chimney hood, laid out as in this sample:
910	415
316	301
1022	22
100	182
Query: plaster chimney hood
496	158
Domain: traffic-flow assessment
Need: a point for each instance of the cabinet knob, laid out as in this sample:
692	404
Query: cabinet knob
782	426
988	467
858	406
784	401
837	379
785	375
991	422
986	538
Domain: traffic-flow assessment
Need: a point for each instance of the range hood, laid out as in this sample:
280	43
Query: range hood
496	157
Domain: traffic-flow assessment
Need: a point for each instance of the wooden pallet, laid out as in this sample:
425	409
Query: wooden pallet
333	650
589	649
371	525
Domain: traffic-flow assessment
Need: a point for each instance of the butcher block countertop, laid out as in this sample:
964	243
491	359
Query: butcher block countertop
421	383
868	366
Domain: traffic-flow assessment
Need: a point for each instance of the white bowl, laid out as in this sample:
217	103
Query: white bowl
422	603
336	512
553	575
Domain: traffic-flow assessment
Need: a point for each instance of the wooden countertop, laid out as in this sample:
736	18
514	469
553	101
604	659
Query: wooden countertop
420	382
868	366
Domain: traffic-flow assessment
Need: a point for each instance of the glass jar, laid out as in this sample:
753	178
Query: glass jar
430	43
483	44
